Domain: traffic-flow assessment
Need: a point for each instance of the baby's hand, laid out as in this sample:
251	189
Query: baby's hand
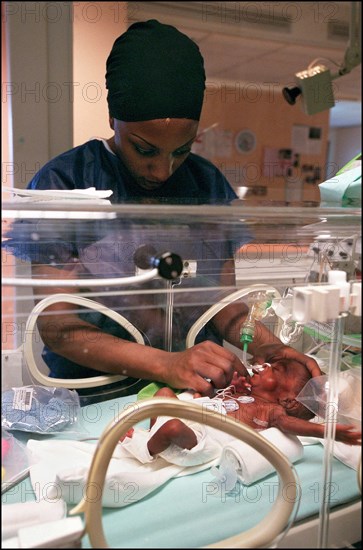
129	433
241	383
196	395
347	433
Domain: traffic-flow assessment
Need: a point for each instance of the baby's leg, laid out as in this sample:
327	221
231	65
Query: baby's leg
163	392
173	431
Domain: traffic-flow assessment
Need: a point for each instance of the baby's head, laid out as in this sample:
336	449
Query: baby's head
281	381
296	377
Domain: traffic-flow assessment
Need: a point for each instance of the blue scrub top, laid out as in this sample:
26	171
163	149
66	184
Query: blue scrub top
196	181
105	248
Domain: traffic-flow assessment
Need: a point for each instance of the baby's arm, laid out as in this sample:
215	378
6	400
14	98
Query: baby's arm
297	426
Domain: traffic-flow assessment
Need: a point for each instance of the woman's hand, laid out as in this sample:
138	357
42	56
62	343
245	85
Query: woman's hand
202	368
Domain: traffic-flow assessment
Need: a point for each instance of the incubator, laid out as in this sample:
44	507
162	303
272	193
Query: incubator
157	275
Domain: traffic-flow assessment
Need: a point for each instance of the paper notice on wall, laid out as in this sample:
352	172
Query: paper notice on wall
306	140
215	142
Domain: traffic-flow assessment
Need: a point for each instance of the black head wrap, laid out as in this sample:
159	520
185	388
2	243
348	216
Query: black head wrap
154	71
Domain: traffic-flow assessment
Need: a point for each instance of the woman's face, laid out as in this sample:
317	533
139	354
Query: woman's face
153	150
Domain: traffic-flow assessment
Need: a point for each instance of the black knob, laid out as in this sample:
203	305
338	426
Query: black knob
169	265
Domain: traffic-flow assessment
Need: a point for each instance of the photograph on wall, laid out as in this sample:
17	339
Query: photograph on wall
279	162
306	140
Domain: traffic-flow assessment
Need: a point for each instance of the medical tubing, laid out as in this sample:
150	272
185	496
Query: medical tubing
76	283
290	332
271	526
75	383
215	308
256	313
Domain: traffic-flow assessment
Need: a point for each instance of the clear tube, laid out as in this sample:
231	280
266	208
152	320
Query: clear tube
260	303
330	428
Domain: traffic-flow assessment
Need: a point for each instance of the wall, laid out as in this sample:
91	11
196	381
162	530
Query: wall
8	293
265	112
345	144
95	28
38	109
39	37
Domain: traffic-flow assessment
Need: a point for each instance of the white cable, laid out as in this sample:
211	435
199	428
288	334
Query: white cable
215	308
113	281
72	382
312	64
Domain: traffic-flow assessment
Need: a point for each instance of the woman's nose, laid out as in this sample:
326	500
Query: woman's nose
161	170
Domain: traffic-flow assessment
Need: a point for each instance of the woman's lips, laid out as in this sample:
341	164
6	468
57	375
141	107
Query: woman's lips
149	184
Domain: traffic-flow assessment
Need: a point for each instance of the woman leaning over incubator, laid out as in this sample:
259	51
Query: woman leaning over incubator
155	79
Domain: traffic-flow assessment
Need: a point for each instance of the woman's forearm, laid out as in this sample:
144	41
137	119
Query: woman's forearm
229	323
88	346
262	336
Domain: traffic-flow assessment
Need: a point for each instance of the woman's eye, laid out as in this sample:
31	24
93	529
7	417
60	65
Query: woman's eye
182	152
145	152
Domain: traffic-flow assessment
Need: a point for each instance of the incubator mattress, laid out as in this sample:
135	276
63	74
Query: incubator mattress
185	512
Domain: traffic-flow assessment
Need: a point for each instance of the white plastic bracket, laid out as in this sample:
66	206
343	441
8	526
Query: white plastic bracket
320	304
325	303
356	299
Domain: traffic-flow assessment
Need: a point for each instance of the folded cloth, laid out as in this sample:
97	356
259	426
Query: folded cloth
23	514
60	468
207	448
344	189
249	464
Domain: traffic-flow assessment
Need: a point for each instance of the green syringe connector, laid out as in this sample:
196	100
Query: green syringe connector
246	338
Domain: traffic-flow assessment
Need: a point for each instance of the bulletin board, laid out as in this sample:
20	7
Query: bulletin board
274	149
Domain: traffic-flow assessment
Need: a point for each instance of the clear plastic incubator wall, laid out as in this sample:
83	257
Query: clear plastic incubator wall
157	275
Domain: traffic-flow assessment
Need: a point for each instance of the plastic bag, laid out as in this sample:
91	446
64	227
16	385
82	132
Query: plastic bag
314	396
14	460
40	409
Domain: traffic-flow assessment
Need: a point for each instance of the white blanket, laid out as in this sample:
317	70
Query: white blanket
60	468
